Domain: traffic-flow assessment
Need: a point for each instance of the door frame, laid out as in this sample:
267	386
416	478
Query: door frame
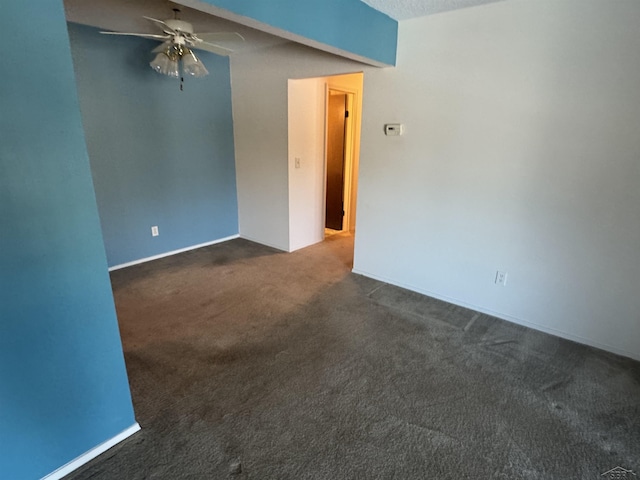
348	222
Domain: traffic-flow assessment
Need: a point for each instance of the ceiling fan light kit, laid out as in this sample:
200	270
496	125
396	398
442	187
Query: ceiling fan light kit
192	66
165	65
167	62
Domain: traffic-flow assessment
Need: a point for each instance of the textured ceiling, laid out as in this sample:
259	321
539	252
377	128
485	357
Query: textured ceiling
405	9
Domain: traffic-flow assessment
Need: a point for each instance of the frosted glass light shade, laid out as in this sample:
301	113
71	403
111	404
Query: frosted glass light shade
192	66
165	65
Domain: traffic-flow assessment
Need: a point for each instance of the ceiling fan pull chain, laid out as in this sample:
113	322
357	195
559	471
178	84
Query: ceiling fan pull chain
181	83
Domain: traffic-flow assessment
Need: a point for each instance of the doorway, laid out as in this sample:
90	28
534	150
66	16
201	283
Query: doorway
342	150
322	193
337	114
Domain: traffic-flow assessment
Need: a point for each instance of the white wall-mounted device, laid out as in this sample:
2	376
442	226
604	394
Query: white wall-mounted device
393	129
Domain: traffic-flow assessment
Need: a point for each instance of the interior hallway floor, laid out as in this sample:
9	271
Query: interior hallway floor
249	363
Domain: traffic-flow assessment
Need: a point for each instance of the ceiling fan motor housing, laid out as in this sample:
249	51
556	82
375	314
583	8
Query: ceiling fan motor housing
179	26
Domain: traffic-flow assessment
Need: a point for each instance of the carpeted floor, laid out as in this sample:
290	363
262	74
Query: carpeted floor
249	363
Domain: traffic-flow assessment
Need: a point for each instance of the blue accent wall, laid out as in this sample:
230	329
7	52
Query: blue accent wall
63	384
159	156
350	25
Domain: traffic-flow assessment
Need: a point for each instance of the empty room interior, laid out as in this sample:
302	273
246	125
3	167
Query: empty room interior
323	239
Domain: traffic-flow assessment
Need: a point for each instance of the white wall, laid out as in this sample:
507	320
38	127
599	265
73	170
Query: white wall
307	143
259	120
521	153
260	98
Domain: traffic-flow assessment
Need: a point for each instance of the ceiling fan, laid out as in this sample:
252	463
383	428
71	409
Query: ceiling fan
178	40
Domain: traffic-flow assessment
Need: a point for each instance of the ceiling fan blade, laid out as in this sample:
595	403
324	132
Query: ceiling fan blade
212	47
220	37
143	35
163	25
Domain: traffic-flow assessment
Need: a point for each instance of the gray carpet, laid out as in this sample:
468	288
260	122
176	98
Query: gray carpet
249	363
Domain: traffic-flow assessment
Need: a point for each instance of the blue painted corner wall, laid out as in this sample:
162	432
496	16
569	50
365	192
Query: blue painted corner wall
63	384
159	156
349	25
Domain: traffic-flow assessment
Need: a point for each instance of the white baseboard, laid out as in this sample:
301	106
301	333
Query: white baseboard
506	317
91	454
173	252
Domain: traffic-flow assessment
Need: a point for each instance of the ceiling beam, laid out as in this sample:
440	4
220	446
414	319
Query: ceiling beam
348	28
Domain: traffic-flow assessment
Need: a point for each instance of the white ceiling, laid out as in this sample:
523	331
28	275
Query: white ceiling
406	9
